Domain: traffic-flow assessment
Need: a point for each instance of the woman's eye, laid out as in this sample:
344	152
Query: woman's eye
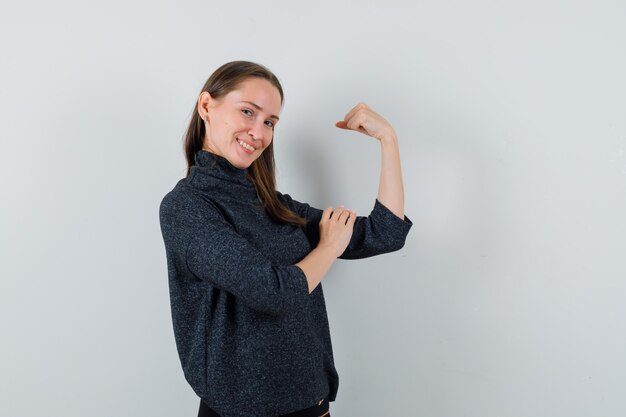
269	123
247	112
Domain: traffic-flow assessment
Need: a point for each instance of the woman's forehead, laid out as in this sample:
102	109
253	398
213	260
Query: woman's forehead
258	91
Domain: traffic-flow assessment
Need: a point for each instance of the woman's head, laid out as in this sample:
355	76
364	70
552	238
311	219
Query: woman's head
239	126
234	117
219	112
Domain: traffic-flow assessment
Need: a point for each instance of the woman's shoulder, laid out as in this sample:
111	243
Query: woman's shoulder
303	209
181	194
186	199
287	200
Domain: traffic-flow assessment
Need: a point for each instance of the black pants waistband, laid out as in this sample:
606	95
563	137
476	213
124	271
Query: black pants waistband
318	410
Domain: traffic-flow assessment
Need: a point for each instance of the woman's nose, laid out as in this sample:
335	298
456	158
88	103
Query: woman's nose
256	132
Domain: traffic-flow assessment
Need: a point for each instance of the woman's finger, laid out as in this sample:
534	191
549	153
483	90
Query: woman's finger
354	110
357	115
337	213
348	217
357	122
343	216
351	219
343	124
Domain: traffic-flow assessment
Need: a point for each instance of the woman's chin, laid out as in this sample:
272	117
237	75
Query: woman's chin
243	159
242	163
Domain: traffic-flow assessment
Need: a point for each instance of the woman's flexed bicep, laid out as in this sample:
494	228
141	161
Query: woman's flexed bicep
379	232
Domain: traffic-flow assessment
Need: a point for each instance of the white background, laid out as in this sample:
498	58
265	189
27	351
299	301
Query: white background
509	296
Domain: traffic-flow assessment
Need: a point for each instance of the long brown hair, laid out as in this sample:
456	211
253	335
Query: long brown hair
262	171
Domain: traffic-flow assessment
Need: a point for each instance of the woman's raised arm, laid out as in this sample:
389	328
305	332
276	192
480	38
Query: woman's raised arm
365	120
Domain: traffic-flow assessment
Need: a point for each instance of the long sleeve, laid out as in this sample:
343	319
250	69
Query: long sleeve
379	232
198	237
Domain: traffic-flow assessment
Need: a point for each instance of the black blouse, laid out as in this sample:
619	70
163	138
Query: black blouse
251	340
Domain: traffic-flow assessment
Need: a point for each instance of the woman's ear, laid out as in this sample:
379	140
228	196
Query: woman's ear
204	100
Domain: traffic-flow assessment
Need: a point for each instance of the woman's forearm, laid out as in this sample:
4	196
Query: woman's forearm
316	265
335	232
390	188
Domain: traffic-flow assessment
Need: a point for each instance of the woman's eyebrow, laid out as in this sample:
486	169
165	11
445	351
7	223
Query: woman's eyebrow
256	106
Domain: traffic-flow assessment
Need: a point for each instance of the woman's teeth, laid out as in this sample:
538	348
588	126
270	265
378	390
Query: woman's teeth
246	146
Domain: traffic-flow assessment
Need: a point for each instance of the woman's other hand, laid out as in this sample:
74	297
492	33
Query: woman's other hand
362	118
335	232
336	229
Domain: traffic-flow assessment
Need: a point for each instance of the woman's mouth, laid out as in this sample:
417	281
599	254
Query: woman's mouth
248	148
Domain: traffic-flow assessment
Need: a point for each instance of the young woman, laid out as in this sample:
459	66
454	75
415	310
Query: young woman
245	262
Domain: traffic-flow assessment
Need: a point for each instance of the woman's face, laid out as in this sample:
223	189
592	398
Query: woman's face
240	125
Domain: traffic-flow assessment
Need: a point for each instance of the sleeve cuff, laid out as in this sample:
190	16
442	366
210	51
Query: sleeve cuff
393	225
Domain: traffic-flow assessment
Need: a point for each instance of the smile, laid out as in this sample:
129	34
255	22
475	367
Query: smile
245	145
